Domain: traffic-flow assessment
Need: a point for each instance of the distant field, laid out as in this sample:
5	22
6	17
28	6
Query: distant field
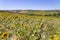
29	26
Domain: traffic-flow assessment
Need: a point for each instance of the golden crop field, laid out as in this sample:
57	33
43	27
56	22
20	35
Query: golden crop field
14	26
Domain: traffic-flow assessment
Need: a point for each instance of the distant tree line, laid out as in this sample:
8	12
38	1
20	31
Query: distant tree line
31	13
54	14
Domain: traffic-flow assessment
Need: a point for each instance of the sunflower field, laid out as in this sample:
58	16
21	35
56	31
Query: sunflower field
14	26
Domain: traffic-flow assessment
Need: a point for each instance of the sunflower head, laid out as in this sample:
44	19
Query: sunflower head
54	37
5	34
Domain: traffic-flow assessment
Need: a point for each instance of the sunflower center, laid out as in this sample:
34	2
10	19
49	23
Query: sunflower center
5	35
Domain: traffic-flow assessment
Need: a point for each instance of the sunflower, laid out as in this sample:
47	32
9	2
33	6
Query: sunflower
4	34
54	37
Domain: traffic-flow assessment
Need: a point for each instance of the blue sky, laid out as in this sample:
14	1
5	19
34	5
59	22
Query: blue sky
29	4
